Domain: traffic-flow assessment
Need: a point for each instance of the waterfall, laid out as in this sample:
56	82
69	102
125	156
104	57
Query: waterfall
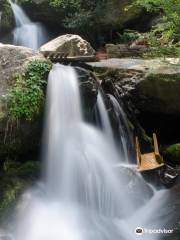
26	32
124	130
83	196
104	118
124	134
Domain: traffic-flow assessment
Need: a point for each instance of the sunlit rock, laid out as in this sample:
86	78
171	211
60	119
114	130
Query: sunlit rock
68	45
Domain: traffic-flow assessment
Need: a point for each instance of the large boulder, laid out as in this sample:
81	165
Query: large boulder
18	133
68	45
13	59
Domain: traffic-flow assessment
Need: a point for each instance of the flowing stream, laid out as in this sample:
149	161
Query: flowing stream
85	192
26	33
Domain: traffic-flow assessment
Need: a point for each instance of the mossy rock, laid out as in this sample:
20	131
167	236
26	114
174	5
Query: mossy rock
23	79
172	153
6	16
159	93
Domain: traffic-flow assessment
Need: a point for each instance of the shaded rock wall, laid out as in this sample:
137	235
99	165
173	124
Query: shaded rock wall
6	16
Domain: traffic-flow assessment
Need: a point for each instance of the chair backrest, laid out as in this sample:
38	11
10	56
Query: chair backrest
138	152
156	148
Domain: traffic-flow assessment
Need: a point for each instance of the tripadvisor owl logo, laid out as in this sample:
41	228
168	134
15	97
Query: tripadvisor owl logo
139	231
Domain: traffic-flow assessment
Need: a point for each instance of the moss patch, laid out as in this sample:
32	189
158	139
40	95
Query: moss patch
172	153
25	99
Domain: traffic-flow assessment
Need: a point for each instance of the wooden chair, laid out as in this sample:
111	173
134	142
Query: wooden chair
149	161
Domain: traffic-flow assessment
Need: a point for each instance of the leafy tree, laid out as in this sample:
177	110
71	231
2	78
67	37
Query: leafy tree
79	13
169	28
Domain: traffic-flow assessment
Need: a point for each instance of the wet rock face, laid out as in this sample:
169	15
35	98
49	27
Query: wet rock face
89	90
68	45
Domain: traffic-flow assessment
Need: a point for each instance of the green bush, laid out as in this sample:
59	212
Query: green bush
128	36
171	51
172	153
169	28
26	97
79	14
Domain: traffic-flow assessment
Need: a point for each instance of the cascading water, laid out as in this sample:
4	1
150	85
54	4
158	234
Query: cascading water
84	195
123	127
26	32
104	118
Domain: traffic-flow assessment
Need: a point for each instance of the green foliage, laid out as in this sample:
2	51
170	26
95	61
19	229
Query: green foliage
71	5
172	153
160	52
169	28
128	36
78	14
25	98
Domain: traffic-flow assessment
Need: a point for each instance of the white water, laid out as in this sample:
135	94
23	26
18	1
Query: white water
124	130
104	118
26	32
83	196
